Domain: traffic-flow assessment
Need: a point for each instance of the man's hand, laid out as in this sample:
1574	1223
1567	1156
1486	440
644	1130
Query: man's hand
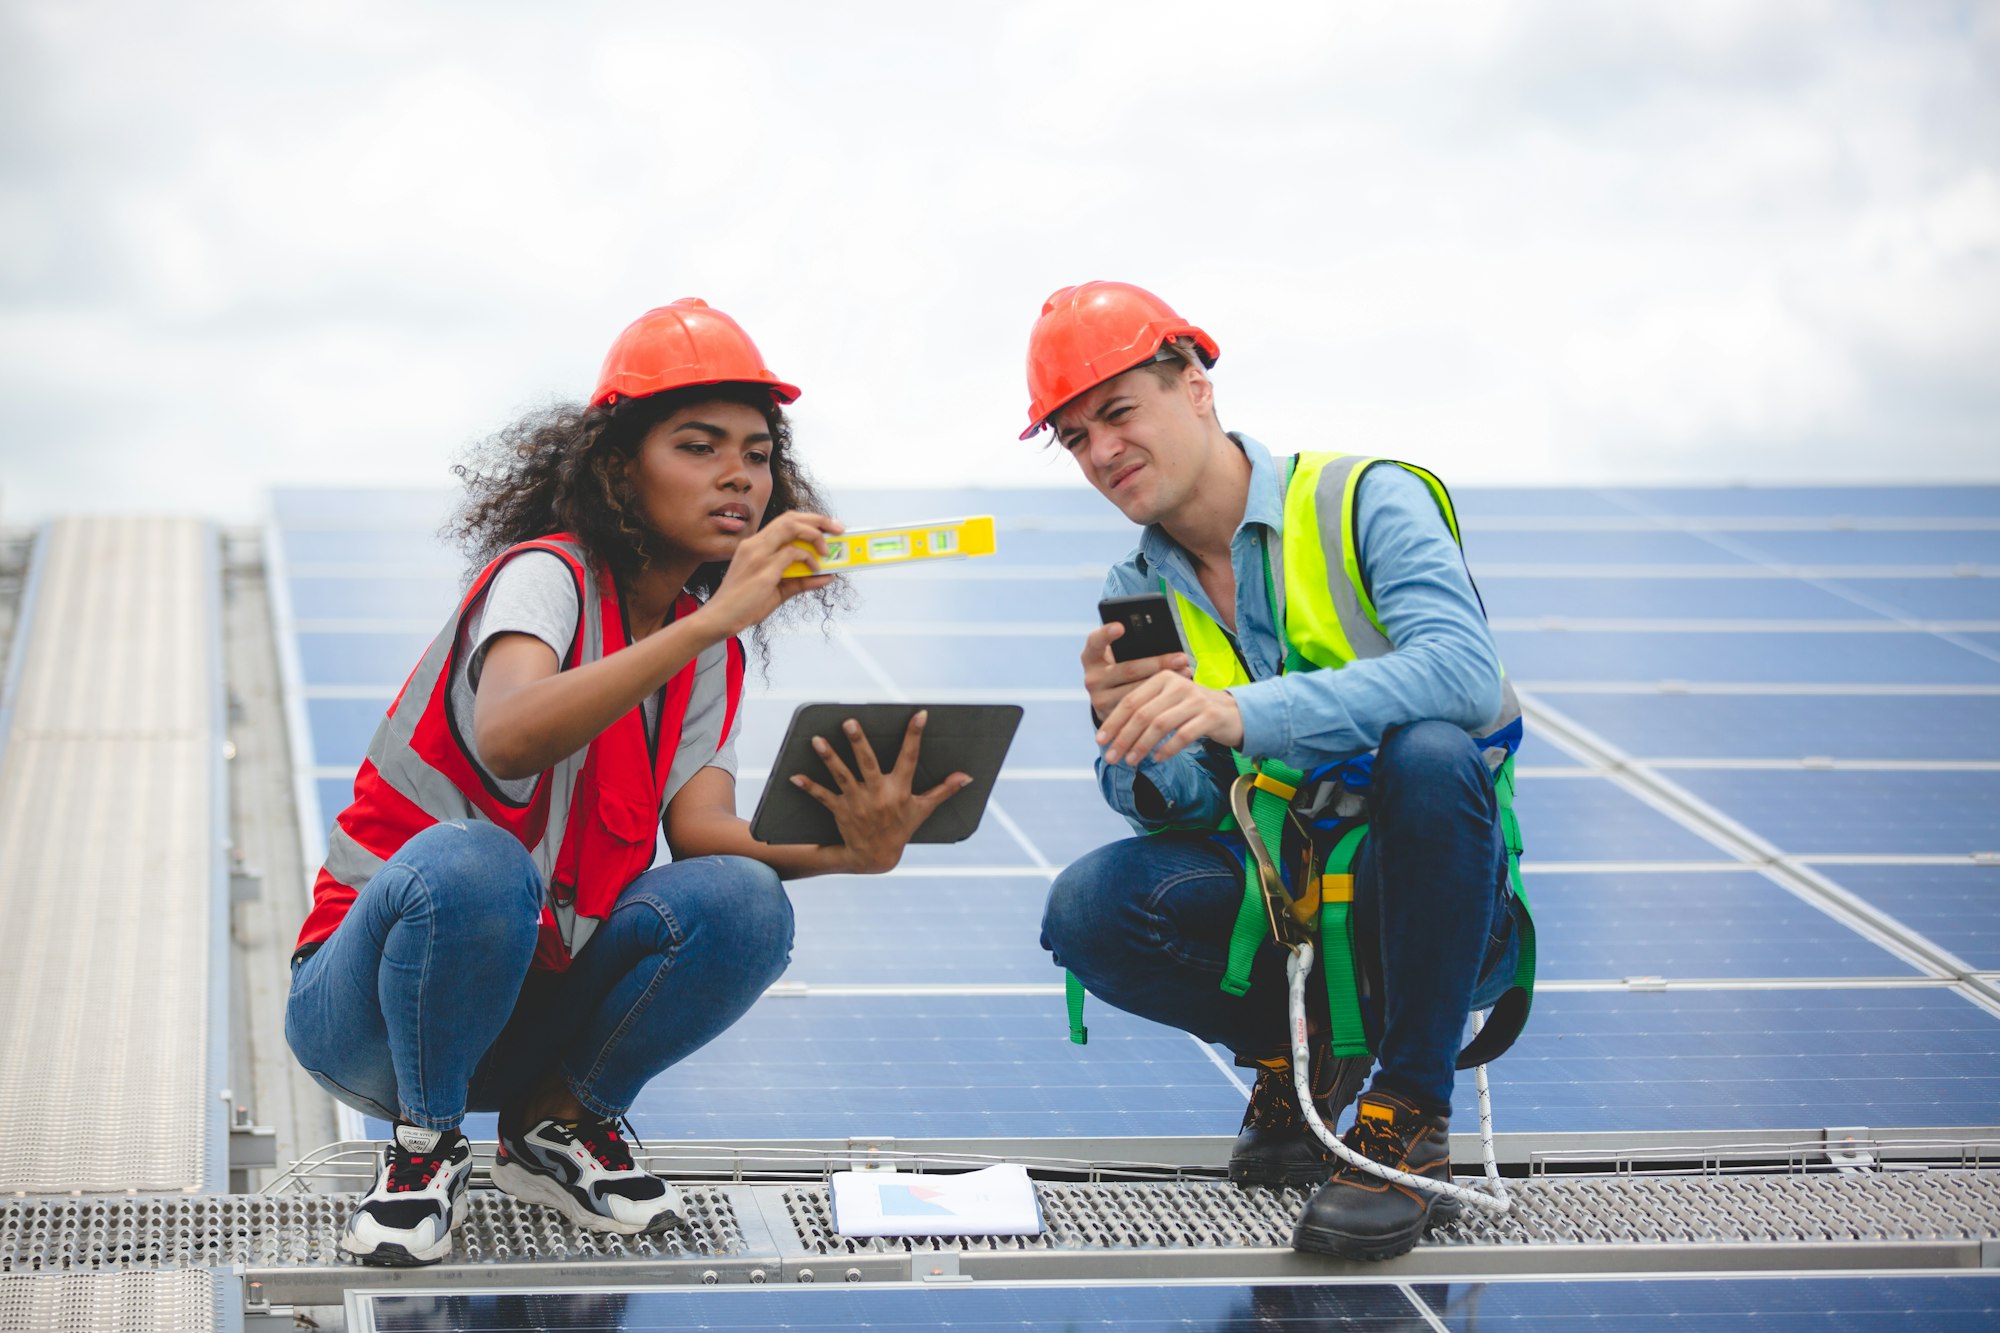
1170	712
877	811
1108	680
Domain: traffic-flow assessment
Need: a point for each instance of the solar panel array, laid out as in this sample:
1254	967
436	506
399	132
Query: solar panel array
1761	794
1958	1304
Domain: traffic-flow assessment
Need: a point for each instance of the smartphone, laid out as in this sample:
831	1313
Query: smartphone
1150	630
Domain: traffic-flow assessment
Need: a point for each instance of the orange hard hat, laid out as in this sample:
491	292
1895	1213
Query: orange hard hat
1095	332
682	344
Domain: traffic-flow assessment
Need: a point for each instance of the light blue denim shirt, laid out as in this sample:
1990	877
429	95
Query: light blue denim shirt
1444	665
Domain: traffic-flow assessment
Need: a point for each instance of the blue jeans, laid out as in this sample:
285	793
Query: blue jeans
1145	923
422	1005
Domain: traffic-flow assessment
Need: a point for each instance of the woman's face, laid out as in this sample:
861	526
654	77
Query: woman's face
704	477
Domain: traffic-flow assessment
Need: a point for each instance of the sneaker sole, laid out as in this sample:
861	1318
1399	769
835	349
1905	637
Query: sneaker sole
388	1254
533	1187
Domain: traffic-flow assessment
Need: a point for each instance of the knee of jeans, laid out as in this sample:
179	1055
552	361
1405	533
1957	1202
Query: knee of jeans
760	919
474	871
1424	755
1073	916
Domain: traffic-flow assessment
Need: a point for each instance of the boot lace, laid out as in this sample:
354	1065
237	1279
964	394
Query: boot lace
1272	1103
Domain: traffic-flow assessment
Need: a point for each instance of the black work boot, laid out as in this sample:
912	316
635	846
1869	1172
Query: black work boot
1276	1146
1361	1216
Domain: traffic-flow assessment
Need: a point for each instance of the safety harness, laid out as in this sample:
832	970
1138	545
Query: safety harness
1266	796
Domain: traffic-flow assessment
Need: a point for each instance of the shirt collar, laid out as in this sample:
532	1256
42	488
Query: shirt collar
1264	504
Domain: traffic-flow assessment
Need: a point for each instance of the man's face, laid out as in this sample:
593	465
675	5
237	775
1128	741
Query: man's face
1140	442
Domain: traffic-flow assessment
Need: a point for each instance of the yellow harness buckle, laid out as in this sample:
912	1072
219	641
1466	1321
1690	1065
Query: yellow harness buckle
1336	888
1275	787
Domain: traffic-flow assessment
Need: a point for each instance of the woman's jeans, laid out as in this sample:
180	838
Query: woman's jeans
422	1005
1145	923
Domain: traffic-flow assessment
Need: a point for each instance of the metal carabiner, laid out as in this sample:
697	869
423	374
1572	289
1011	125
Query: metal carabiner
1280	908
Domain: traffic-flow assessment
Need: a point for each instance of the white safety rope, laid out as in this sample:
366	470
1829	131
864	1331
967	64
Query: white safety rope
1496	1201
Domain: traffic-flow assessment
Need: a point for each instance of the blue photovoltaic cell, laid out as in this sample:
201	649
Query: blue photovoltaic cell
1956	906
1511	502
939	1066
406	549
920	930
1686	926
1932	599
809	661
998	662
1818	813
1064	818
360	659
1789	726
427	601
1866	547
1820	502
422	509
1667	599
974	1308
1544	657
1514	546
926	597
1594	819
1745	1059
342	728
1060	500
1954	1304
1088	547
334	794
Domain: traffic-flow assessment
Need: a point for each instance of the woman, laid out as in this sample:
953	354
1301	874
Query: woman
485	932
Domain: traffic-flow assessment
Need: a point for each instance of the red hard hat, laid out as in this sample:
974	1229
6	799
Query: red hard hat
678	345
1095	332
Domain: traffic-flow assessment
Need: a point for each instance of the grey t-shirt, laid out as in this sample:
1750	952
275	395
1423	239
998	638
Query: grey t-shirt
535	593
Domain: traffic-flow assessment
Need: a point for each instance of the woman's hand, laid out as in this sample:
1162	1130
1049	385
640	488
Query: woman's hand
755	584
876	811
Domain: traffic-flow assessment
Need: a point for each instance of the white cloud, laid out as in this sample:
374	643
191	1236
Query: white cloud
1534	241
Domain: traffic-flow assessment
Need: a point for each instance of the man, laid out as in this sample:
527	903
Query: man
1332	629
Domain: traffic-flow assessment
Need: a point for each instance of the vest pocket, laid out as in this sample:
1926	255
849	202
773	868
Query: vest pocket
626	816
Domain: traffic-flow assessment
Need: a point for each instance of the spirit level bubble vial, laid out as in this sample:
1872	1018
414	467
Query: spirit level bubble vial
867	548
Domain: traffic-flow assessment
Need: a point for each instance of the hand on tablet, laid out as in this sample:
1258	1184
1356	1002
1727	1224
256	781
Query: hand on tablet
877	811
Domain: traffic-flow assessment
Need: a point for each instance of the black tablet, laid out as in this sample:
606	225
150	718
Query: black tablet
958	738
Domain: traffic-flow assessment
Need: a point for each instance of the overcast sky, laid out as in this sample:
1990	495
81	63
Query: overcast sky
253	243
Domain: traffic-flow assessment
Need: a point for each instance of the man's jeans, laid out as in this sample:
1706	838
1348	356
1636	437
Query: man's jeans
421	1005
1145	923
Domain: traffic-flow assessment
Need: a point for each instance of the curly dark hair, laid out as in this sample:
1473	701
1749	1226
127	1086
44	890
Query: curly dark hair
562	469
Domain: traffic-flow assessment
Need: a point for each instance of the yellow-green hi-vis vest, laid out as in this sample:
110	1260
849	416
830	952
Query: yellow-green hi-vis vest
1327	621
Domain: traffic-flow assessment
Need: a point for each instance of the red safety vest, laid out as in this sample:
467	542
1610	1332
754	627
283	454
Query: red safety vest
603	802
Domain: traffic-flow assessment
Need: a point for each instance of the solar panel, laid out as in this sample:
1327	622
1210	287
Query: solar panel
1934	1303
984	1308
931	1011
1765	726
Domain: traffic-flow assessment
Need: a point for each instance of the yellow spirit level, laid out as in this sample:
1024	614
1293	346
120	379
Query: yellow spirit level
867	548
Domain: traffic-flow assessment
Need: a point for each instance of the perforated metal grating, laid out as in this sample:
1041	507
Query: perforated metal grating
1569	1210
108	1303
303	1230
106	871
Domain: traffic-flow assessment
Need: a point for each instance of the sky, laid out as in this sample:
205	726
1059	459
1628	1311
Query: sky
246	245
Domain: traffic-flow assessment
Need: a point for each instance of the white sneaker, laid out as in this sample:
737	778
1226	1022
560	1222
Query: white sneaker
583	1169
407	1219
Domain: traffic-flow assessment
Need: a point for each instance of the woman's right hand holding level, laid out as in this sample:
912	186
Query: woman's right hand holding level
755	584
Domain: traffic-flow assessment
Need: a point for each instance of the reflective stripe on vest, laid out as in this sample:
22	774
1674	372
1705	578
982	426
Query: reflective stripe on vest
588	825
1325	621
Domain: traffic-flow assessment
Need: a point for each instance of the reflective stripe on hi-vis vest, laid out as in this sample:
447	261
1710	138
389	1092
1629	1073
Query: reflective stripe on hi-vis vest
590	823
1326	620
